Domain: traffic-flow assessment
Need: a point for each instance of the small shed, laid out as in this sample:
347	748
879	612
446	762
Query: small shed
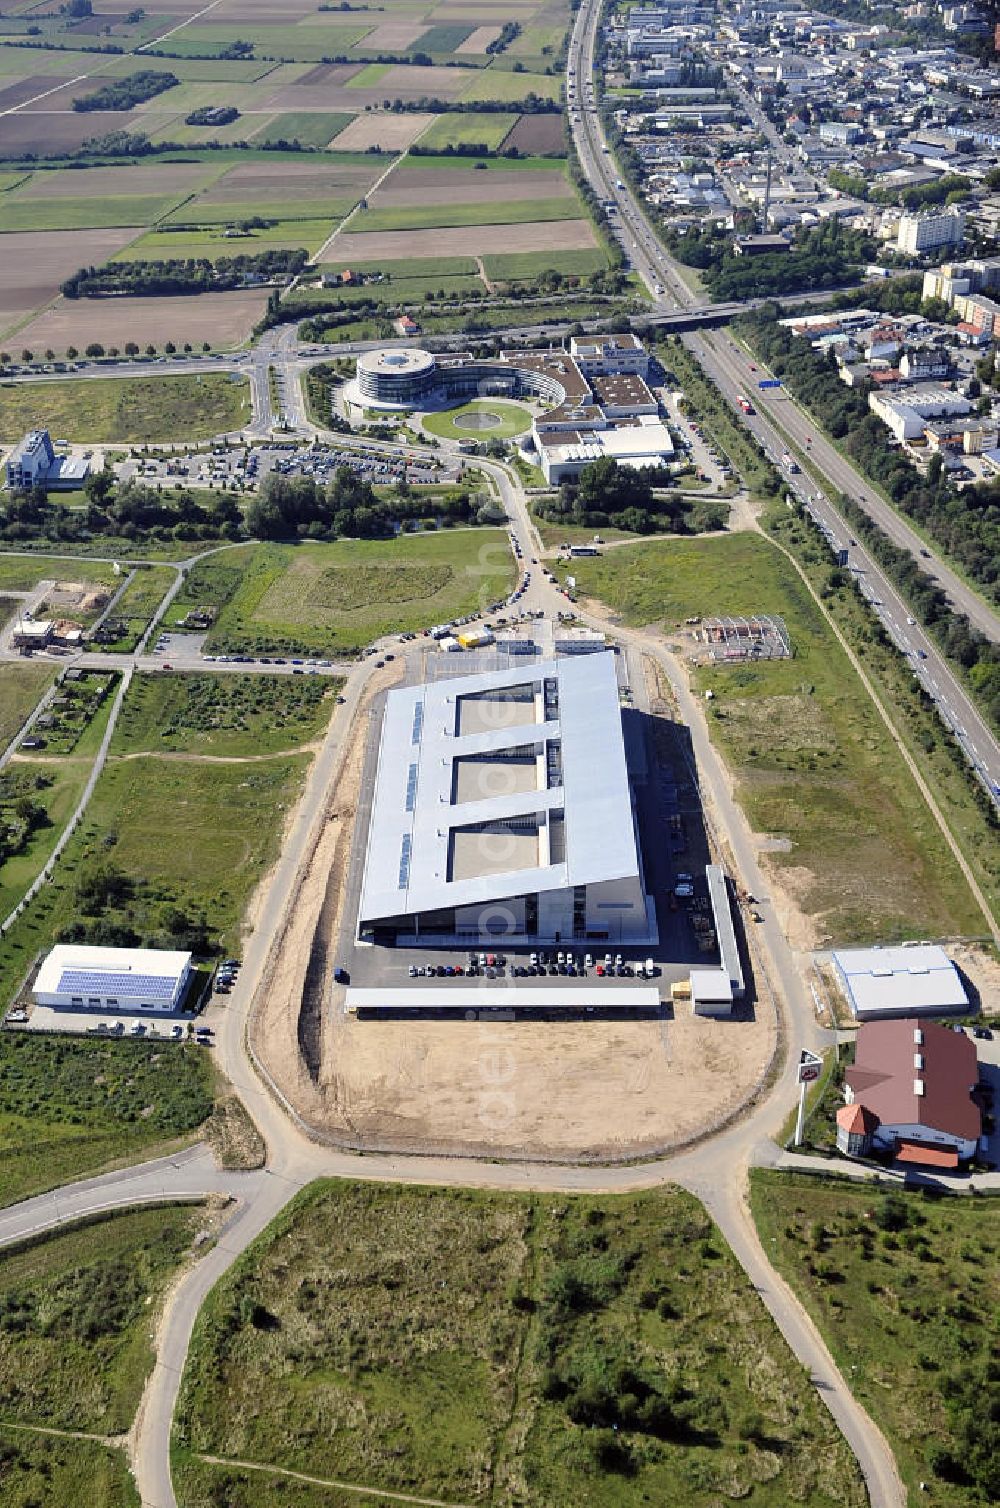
711	992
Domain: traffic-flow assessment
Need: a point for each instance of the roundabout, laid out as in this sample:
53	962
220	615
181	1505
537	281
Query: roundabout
492	418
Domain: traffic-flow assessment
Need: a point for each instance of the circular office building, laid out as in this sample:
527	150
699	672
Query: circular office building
399	379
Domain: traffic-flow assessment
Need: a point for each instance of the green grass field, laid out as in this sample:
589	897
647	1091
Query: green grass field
227	716
17	213
56	786
127	410
39	1469
904	1290
209	239
21	686
489	212
812	759
493	85
471	421
492	1348
531	264
70	1106
19	573
454	129
295	43
312	128
75	1309
337	598
408	267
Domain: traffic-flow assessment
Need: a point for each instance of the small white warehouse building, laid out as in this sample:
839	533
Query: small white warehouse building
76	977
900	981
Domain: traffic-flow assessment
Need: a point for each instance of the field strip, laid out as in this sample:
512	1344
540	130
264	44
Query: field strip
113	1442
186	22
300	1476
313	260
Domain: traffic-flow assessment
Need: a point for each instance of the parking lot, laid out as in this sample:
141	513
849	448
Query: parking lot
242	467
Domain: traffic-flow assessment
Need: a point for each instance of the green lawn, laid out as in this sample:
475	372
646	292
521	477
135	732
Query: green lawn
812	759
454	129
337	598
75	1310
42	1469
488	212
70	1106
492	85
127	410
224	715
463	423
904	1290
21	686
496	1348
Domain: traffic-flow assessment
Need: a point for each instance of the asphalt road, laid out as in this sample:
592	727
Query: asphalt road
729	368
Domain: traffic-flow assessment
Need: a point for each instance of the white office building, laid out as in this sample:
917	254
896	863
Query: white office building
78	978
919	233
502	811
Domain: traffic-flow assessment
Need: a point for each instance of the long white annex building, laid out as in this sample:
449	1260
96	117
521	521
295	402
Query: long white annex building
502	810
75	976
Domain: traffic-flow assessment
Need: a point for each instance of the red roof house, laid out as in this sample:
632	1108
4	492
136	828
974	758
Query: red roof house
909	1092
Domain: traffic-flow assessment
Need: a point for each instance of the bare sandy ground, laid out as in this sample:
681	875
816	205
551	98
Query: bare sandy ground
392	133
525	1089
224	319
467	240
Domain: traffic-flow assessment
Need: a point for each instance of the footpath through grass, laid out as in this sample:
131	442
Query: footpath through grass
499	1348
70	1105
75	1318
126	410
904	1289
814	762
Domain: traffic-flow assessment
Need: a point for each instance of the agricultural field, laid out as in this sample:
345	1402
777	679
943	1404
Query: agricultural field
335	599
222	320
455	130
76	1317
471	240
311	127
70	1106
500	211
813	761
382	131
21	685
126	410
227	716
510	266
904	1290
598	1350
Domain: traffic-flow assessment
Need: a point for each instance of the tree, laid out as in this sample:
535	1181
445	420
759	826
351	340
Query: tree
27	356
170	348
150	349
78	9
131	349
206	345
94	349
71	353
50	355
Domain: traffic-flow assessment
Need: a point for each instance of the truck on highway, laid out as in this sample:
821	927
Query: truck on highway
744	403
789	462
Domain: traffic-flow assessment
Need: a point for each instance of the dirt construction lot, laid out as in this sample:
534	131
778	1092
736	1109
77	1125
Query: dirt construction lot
465	240
223	319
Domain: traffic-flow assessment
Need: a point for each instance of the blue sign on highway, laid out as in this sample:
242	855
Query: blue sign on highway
769	382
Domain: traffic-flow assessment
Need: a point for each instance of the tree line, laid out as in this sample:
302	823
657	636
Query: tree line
180	276
606	495
125	93
348	507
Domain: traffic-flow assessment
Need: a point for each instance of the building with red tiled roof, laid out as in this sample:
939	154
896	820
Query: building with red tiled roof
909	1092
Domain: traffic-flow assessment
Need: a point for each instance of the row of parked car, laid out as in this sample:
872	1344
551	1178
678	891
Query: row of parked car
226	975
539	965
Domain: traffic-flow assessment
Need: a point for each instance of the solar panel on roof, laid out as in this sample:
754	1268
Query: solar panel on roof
150	986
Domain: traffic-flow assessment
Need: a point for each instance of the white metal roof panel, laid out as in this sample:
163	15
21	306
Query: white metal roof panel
446	995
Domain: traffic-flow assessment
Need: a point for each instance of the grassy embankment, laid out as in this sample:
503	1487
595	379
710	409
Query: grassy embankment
490	1348
904	1290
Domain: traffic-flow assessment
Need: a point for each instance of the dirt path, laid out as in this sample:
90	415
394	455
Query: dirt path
481	269
355	1487
309	748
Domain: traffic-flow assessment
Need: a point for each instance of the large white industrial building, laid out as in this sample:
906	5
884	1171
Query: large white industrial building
78	977
900	981
502	809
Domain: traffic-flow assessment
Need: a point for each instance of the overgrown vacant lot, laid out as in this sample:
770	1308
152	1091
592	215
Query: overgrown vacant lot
76	1313
37	1469
70	1106
19	573
813	760
21	685
904	1289
339	597
126	410
223	715
501	1349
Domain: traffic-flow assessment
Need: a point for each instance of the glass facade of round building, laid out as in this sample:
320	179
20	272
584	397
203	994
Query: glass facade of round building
400	378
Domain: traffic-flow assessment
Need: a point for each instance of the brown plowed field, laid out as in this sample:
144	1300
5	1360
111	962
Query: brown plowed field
536	134
444	186
62	99
404	82
16	91
110	183
34	263
383	129
480	39
32	131
328	73
270	182
224	319
394	36
464	241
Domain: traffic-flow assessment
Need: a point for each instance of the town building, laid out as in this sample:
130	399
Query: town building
501	813
77	977
910	1094
34	463
930	232
904	414
899	981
